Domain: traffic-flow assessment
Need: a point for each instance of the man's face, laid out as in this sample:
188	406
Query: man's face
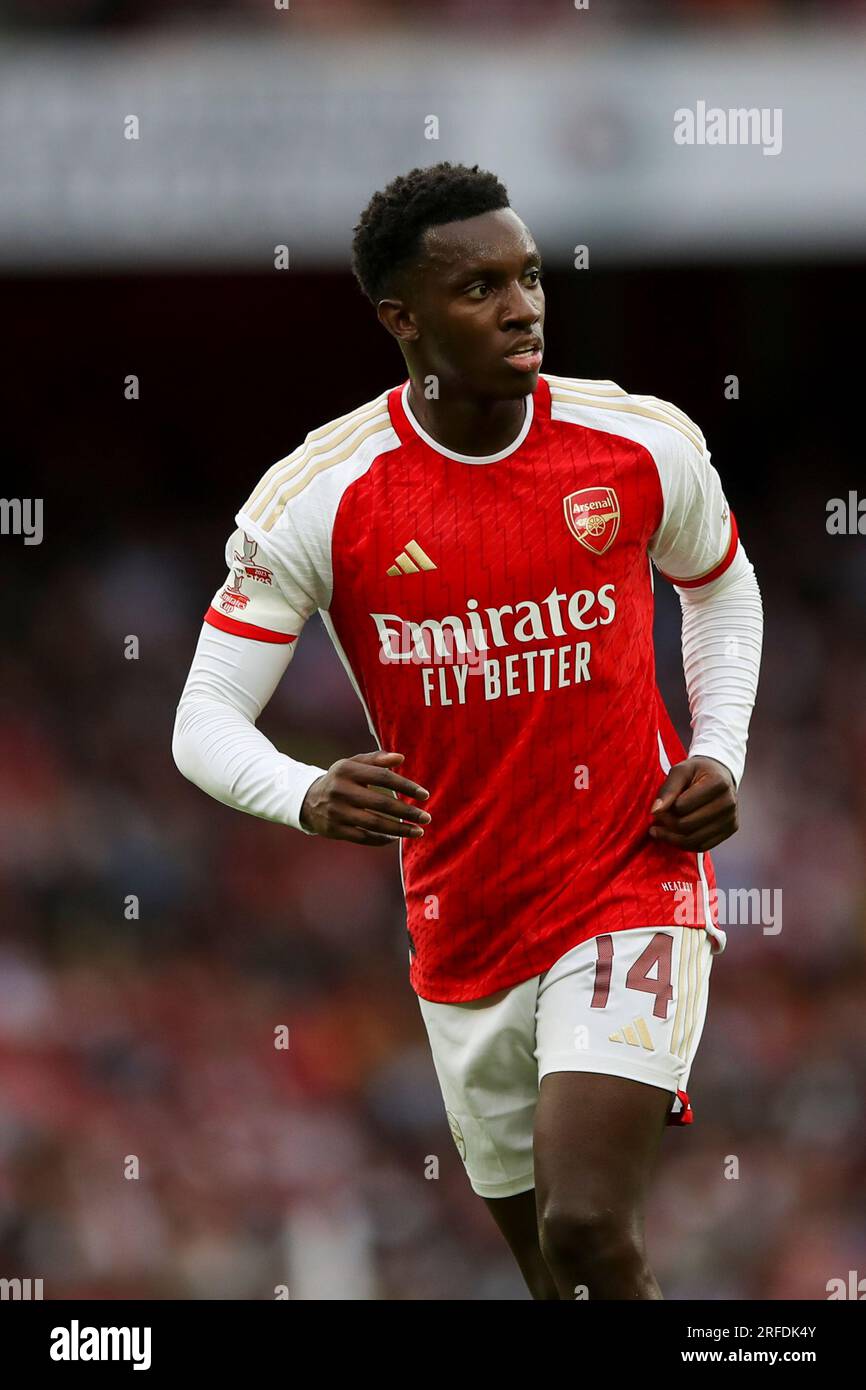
476	305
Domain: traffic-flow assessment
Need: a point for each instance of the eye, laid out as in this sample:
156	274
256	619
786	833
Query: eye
482	287
537	272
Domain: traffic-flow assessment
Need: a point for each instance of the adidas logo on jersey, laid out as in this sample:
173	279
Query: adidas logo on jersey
636	1034
411	561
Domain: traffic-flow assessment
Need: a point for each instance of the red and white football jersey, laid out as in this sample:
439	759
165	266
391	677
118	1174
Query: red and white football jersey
494	616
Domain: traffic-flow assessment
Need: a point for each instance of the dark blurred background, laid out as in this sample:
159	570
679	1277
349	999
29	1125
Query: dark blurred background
154	1037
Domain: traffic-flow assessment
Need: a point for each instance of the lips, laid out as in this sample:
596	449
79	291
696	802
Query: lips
526	356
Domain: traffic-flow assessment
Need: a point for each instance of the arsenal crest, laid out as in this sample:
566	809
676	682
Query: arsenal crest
593	517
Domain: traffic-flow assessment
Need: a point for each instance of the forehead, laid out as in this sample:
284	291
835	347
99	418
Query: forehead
491	238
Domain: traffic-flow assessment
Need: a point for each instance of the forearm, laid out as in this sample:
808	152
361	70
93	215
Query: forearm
721	643
216	744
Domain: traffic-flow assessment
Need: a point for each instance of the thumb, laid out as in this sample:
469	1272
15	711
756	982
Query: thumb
676	781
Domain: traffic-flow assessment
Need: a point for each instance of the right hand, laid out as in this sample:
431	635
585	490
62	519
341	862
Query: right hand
355	801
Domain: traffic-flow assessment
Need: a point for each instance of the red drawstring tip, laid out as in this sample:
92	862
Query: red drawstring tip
685	1115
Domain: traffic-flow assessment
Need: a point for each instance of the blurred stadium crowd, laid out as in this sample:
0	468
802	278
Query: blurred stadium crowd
349	15
152	1035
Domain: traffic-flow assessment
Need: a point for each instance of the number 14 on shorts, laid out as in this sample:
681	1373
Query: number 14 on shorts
642	990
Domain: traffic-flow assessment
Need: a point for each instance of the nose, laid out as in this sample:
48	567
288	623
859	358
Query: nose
521	309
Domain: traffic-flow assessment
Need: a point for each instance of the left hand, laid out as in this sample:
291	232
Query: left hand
696	806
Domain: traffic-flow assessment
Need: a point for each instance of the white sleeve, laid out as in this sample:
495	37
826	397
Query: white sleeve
247	641
216	744
697	537
697	548
721	641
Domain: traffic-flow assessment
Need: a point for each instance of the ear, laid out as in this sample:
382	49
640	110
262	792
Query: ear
399	320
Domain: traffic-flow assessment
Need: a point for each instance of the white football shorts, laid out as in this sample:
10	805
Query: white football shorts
629	1003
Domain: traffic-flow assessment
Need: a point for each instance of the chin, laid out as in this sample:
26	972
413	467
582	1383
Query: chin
509	385
524	385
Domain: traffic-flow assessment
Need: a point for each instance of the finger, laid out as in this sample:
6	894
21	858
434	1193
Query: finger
708	842
676	781
385	805
382	825
725	817
702	793
684	838
697	820
353	835
694	844
704	839
384	777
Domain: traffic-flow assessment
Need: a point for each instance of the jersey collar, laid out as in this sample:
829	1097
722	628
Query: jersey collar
407	427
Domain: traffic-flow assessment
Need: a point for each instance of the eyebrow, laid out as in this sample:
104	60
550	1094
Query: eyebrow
471	271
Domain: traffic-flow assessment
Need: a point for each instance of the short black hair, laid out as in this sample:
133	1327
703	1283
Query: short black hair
388	235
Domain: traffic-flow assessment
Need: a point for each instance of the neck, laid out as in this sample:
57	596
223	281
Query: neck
468	425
